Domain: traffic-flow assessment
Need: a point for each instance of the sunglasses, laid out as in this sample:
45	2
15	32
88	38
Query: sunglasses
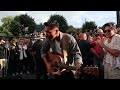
107	30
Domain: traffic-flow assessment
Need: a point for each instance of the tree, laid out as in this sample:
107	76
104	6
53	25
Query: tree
87	26
4	32
61	20
78	30
71	30
40	27
1	28
5	28
18	24
15	28
7	20
1	32
27	23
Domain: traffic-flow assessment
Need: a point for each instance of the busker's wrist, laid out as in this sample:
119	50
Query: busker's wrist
78	63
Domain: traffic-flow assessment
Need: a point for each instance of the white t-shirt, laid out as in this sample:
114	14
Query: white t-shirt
22	51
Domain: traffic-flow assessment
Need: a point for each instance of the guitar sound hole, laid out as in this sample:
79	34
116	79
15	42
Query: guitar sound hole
55	67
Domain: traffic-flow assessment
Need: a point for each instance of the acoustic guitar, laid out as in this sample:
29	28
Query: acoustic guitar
57	66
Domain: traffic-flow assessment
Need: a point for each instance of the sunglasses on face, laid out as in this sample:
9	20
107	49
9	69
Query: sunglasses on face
107	30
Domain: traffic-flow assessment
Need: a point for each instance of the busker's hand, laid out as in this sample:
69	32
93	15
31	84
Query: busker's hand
78	65
77	73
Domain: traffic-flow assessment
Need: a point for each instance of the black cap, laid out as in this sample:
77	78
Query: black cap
52	24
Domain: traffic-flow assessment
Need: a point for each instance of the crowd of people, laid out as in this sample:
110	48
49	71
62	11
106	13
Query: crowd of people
42	55
21	54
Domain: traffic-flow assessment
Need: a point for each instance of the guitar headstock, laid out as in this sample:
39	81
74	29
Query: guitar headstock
91	70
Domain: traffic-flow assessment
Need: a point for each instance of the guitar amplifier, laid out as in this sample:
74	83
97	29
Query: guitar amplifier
3	68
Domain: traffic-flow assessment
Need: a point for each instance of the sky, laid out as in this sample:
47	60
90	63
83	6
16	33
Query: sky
75	18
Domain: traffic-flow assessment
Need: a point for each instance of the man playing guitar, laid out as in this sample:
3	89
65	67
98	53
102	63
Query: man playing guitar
54	44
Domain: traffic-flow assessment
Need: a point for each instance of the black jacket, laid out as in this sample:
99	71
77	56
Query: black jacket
2	51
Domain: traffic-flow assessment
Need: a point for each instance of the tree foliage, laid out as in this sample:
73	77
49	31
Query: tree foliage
5	28
63	25
87	26
40	27
19	24
15	28
71	30
27	23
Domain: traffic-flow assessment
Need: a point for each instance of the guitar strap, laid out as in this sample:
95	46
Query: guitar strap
65	48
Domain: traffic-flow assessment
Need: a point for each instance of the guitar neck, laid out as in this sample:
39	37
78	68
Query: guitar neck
63	66
89	70
57	64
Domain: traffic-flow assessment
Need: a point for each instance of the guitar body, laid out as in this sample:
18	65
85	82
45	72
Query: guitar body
58	67
54	59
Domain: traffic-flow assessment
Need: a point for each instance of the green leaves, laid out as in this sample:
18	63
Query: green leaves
87	26
63	25
5	28
21	24
26	22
